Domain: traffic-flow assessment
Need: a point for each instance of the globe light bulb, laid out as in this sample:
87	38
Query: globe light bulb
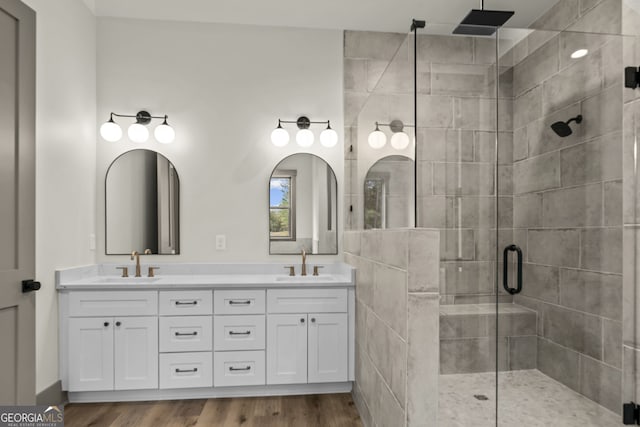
400	140
304	138
279	136
377	139
138	132
164	133
111	131
329	137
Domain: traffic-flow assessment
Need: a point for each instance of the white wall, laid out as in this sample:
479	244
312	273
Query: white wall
223	87
65	159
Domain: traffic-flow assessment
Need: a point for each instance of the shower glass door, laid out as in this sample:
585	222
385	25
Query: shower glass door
565	171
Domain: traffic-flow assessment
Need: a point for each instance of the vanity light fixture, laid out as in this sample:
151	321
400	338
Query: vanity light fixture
304	137
138	131
399	140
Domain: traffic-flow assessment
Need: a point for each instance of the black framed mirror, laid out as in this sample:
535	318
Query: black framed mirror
142	204
303	206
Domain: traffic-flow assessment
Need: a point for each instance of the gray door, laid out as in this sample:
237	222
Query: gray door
17	202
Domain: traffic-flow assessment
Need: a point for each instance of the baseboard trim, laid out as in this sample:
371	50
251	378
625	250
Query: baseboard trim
52	395
207	393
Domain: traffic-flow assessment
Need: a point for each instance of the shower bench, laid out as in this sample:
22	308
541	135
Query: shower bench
468	338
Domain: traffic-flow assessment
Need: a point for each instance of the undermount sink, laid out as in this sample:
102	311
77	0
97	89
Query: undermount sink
132	280
299	279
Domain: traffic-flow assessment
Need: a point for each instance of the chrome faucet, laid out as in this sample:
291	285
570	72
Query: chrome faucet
304	263
136	255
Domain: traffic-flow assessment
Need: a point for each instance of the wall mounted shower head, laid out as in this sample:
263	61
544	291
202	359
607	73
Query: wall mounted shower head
562	129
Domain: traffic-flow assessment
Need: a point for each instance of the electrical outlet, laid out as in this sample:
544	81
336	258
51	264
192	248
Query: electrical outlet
221	242
92	242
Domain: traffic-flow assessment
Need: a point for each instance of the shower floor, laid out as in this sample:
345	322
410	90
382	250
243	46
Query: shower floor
527	398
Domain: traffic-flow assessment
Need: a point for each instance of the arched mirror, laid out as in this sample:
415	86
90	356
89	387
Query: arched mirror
388	193
303	208
142	200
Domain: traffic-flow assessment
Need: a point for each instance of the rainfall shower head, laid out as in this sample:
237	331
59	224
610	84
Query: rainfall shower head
562	129
481	22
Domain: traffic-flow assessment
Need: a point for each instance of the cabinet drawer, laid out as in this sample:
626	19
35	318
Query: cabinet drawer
236	368
109	303
238	333
238	302
307	300
184	370
186	333
178	303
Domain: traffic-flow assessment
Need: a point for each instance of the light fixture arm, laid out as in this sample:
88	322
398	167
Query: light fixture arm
395	125
303	122
142	117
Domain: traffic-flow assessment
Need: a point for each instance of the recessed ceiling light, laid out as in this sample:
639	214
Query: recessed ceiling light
579	53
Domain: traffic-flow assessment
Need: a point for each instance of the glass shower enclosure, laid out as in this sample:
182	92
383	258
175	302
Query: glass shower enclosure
520	149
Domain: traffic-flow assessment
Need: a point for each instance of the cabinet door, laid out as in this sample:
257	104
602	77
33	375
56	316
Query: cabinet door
328	351
90	354
136	353
287	349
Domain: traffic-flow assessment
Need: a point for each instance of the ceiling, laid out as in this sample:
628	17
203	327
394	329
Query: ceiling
364	15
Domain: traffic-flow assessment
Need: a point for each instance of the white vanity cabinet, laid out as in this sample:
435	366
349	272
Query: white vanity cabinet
307	336
205	335
115	348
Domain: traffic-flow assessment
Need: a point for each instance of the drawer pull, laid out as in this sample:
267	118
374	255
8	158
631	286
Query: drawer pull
186	302
239	333
232	369
182	371
232	302
186	334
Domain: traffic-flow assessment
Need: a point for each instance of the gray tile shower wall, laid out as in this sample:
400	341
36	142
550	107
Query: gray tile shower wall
396	325
567	199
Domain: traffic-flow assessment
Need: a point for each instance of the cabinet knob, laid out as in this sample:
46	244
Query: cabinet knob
118	323
313	320
106	324
302	320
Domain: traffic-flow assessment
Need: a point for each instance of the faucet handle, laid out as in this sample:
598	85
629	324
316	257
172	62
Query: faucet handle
315	269
147	252
125	271
152	270
292	270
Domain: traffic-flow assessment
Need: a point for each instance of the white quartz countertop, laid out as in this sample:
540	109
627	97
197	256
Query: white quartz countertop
202	276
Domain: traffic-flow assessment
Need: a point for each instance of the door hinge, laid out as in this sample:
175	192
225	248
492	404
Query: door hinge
630	414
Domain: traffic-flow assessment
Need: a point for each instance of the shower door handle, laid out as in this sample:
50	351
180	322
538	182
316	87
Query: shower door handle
505	271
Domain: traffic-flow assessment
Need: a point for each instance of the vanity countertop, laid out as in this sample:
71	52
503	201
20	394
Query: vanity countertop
202	276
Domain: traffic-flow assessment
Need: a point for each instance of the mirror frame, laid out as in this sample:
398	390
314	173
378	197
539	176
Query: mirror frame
337	251
106	175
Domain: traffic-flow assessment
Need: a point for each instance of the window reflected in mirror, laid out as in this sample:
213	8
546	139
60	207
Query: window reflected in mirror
282	207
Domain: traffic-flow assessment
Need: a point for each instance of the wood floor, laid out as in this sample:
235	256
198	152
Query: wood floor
327	410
